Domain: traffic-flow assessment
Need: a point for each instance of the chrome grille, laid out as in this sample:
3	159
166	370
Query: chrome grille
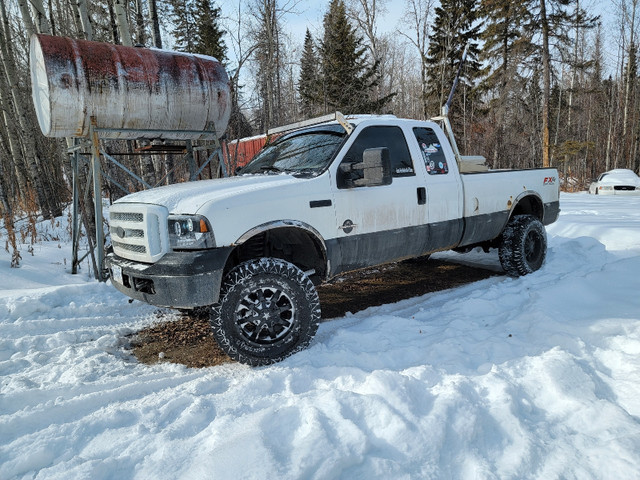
126	217
128	232
139	231
130	248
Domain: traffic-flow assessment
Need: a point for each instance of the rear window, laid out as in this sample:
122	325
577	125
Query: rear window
434	158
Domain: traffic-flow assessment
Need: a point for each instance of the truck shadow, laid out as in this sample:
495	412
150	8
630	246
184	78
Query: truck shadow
187	339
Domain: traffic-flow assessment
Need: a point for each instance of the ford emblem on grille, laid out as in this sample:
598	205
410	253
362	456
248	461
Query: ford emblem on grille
121	232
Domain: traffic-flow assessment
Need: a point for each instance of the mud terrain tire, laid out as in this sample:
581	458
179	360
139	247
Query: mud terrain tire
268	310
524	245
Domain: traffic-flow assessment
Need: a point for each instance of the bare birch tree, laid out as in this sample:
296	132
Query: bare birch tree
242	46
46	200
41	20
417	14
29	26
120	7
85	21
629	17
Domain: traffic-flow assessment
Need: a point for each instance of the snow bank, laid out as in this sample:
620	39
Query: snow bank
536	377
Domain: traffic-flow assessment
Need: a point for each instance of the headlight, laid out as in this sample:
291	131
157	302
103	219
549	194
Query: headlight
190	232
606	187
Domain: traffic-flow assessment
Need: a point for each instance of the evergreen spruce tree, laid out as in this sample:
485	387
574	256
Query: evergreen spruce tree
505	43
455	27
209	39
197	28
347	78
505	48
309	83
184	32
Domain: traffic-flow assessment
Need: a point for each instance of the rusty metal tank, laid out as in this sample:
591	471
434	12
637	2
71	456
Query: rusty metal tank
131	92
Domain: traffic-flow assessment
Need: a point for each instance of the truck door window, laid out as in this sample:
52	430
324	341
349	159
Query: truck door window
382	136
434	158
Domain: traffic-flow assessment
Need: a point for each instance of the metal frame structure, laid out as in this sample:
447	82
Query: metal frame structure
337	116
92	143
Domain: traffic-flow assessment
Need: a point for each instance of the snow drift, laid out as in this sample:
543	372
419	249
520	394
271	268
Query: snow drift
535	377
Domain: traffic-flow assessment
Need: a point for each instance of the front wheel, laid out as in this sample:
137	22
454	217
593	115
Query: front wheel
268	309
524	245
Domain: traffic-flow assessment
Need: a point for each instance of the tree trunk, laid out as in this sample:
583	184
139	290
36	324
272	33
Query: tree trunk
26	17
148	170
629	78
113	25
155	24
51	19
12	141
85	20
42	23
49	205
123	24
546	90
7	214
141	37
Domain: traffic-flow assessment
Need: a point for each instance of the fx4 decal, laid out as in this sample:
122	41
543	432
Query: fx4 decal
549	181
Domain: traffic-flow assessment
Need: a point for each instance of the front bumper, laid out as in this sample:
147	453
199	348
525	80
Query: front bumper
177	280
622	190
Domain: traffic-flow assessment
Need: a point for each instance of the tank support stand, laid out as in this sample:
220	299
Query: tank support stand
96	174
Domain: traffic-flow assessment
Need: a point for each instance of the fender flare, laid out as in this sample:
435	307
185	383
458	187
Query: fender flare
519	198
283	224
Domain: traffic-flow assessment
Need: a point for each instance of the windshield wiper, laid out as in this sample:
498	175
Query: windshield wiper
311	171
270	168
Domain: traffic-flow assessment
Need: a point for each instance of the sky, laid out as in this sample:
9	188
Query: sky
309	14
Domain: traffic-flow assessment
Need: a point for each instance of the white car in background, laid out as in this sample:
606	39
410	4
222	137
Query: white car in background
616	182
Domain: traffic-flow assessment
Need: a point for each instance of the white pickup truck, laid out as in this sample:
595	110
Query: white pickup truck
316	202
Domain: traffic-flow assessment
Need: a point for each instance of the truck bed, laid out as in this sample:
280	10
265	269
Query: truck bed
489	198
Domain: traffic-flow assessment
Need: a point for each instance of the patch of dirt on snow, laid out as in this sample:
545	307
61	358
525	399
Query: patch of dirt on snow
188	340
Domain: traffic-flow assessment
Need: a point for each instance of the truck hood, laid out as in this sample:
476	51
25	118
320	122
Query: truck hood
189	197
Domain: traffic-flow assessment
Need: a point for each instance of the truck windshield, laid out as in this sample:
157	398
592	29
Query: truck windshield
306	153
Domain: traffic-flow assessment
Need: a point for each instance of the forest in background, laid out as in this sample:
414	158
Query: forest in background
546	82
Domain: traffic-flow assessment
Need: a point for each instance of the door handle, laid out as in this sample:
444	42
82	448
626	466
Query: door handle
422	195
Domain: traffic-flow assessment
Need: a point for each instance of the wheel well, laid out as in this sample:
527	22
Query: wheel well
292	244
529	205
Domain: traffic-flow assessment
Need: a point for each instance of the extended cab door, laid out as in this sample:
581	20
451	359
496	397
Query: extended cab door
376	224
443	186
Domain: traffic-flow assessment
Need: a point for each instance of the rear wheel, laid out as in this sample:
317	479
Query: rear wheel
524	245
268	310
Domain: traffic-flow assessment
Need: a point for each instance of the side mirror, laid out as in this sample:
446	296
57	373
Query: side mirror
375	166
374	170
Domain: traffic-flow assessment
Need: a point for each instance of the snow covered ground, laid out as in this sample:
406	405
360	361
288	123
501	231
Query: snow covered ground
536	377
